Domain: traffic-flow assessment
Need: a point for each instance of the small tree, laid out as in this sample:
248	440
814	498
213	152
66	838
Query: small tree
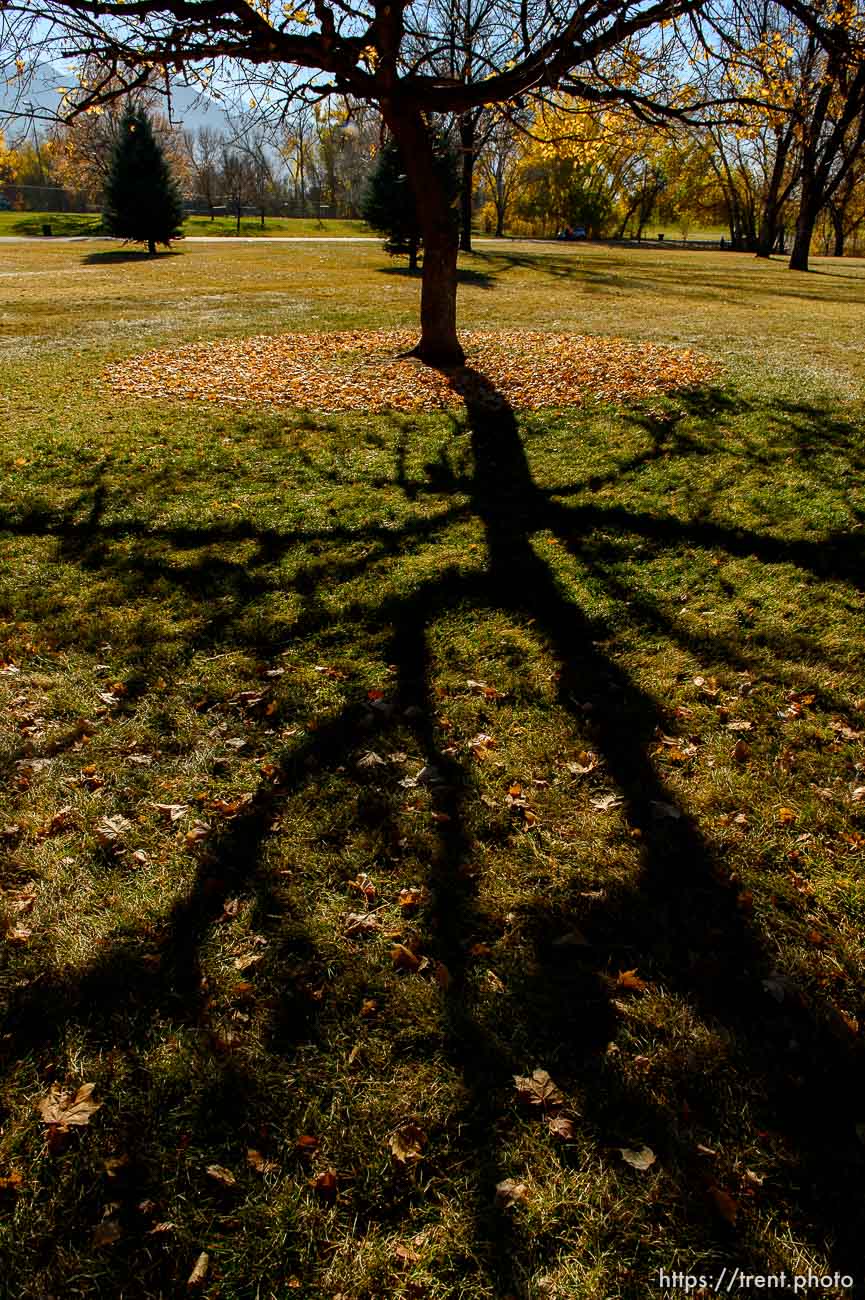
142	201
388	204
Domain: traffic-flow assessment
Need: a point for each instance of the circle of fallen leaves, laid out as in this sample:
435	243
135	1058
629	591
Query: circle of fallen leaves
368	370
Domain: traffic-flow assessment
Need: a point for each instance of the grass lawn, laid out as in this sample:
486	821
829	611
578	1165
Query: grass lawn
355	765
87	223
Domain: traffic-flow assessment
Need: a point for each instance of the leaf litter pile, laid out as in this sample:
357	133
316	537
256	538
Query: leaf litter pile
367	370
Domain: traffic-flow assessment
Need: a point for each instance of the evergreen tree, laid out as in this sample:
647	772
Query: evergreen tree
142	201
388	205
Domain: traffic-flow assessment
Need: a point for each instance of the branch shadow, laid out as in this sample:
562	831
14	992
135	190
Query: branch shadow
681	922
466	275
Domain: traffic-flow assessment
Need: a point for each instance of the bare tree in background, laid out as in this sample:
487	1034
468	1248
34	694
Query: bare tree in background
498	162
204	150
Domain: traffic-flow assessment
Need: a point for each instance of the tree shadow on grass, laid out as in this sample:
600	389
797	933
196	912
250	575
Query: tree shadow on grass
681	921
555	264
113	256
465	275
61	224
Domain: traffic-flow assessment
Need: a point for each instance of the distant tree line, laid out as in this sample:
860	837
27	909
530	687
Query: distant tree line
780	167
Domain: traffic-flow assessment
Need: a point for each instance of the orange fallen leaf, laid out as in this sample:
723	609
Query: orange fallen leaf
325	1185
629	979
403	958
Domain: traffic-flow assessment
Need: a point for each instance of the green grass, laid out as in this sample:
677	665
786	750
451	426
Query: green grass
229	611
82	223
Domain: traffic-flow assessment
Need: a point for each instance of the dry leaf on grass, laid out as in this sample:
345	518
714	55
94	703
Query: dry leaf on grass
200	831
16	933
561	1127
221	1175
172	812
538	1090
407	1143
325	1185
642	1159
114	1165
64	1110
259	1162
247	960
403	958
360	923
405	1254
199	1269
363	885
510	1192
60	821
606	802
112	829
629	979
366	370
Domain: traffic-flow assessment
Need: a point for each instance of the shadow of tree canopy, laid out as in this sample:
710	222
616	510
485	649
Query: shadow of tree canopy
679	919
112	256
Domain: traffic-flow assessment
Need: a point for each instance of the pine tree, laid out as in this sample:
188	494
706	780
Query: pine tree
142	201
388	205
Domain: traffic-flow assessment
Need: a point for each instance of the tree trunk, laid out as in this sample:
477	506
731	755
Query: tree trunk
500	221
766	237
439	344
151	247
771	205
412	252
467	146
806	220
836	216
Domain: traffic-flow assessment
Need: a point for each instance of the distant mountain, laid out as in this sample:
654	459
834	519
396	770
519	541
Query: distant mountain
37	100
